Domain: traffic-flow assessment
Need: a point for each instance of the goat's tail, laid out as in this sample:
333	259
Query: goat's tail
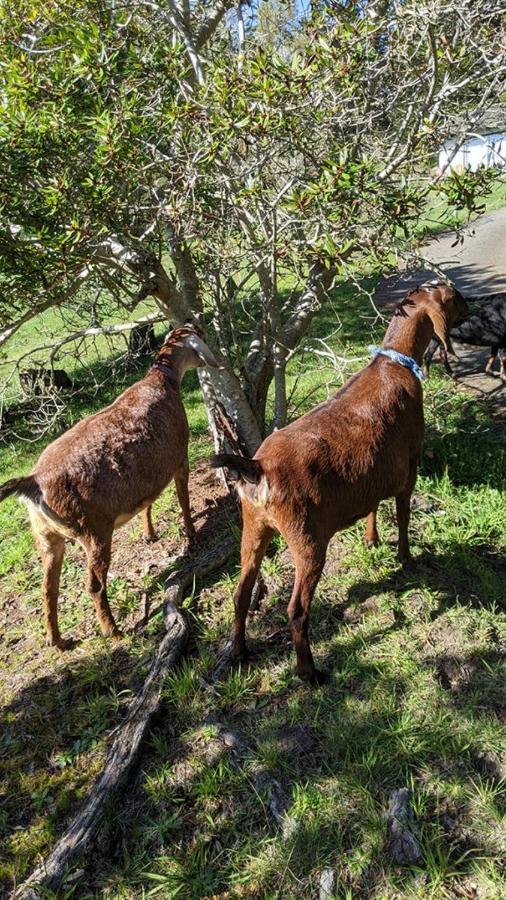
240	467
248	473
26	486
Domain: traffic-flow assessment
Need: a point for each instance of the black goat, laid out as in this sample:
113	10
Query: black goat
485	327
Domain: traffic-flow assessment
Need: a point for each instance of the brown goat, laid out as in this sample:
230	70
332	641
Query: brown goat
109	467
335	464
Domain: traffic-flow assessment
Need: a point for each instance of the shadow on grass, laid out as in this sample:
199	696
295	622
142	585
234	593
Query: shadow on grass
453	574
54	735
338	785
464	442
193	823
476	681
50	731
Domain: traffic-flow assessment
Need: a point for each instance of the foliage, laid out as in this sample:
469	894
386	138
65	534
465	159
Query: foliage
146	152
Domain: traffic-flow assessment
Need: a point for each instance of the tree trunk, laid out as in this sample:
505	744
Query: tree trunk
244	408
280	406
222	387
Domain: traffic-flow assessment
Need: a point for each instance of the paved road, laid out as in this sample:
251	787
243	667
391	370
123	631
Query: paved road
478	267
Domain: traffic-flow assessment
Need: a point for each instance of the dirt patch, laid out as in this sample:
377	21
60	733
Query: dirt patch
468	663
213	510
356	613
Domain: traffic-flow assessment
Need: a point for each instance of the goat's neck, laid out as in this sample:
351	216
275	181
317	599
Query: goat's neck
409	334
176	359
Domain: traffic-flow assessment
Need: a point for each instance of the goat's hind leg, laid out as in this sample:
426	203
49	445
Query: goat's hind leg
149	532
256	537
99	558
308	568
51	547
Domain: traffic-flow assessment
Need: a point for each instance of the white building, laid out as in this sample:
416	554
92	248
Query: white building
484	146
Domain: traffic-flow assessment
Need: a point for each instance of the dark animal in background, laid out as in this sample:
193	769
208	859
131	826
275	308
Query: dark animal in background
485	327
336	464
38	380
142	340
109	467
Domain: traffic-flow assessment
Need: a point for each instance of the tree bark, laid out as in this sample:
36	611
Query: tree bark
123	753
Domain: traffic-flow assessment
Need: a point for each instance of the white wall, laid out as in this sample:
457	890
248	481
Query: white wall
489	150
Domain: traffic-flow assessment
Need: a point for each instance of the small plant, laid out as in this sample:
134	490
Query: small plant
181	685
238	687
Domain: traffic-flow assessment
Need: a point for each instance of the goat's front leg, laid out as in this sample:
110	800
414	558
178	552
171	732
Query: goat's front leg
181	480
308	569
147	525
446	362
99	557
371	536
489	368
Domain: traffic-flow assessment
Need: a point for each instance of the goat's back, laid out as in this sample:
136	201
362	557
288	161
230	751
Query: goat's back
486	325
115	459
347	454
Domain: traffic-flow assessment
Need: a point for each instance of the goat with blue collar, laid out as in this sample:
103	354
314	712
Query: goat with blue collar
335	465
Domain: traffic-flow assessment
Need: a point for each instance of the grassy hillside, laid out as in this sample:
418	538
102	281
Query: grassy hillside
415	698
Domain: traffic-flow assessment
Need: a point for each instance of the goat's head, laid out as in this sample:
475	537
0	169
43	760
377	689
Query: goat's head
444	305
189	339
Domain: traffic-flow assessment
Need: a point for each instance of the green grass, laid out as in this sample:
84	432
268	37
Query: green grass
438	218
415	697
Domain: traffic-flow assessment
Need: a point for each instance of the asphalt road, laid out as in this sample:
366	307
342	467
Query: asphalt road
477	266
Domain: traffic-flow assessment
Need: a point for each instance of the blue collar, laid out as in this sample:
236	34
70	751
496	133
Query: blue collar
400	358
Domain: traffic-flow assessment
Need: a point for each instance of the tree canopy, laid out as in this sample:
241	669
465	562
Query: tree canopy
164	149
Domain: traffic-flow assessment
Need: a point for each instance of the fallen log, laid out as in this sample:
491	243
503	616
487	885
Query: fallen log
402	830
129	735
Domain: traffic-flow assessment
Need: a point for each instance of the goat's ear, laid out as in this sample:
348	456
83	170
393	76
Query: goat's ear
196	343
441	326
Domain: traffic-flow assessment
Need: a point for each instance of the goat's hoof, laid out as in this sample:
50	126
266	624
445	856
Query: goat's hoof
371	542
241	656
112	632
317	677
62	643
408	563
150	538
